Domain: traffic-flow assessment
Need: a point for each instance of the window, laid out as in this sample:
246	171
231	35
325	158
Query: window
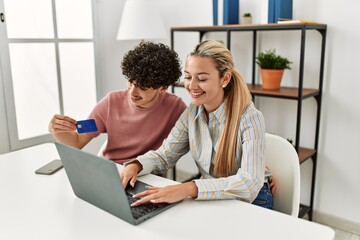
48	65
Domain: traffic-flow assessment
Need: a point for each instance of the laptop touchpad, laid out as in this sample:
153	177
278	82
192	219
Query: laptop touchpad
139	187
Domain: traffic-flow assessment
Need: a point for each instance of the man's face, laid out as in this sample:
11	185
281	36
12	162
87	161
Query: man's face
144	98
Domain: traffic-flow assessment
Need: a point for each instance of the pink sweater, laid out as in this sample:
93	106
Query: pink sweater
131	130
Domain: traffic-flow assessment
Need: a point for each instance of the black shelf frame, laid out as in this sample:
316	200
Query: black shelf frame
298	94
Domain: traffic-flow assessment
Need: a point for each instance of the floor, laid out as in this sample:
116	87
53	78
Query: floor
342	235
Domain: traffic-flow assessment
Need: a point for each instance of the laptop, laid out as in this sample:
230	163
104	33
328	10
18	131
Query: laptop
96	180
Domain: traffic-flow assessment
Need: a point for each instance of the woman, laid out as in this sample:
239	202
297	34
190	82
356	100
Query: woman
223	130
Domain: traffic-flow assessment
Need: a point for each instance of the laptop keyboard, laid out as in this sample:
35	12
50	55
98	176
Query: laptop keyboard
143	209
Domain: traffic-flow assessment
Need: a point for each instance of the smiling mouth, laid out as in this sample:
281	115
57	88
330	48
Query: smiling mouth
196	95
135	98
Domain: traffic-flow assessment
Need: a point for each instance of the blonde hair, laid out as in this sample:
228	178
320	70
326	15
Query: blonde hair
237	96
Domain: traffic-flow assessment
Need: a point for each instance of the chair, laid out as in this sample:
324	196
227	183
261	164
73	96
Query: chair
101	150
283	161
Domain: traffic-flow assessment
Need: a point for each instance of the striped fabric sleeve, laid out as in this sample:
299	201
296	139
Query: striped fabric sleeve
173	147
248	180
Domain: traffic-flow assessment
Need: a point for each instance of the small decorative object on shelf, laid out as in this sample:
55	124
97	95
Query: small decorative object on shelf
246	18
272	68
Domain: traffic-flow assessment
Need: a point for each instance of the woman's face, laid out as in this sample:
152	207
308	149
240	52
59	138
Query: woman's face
144	98
203	82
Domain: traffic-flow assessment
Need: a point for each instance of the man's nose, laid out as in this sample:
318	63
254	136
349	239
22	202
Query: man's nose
132	89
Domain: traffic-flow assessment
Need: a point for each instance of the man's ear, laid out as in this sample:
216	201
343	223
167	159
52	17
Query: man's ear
163	89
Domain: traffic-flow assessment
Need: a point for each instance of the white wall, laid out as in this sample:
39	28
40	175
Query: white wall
337	190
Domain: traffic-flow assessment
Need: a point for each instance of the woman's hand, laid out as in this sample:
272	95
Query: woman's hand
168	194
273	186
130	173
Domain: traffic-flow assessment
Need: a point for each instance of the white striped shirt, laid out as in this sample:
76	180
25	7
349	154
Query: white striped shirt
192	132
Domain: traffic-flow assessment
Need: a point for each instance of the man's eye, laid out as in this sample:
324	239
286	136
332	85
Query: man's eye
142	88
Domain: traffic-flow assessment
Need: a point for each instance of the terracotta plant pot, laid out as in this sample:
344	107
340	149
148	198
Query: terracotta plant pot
271	78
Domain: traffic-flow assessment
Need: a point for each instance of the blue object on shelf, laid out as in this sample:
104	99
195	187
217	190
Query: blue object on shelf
230	12
279	9
215	12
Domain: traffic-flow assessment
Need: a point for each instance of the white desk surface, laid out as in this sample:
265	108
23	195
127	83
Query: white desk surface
44	207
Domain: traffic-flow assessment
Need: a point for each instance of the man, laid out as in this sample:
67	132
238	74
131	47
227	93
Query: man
138	119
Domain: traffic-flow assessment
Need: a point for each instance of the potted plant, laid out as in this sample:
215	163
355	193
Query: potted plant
246	18
272	68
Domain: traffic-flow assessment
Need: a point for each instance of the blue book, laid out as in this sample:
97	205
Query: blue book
230	12
271	11
279	9
215	12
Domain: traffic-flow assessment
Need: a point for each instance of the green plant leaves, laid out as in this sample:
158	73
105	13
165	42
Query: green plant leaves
270	60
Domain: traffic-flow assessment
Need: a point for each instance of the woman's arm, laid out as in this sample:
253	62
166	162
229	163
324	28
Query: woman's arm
248	180
173	147
244	185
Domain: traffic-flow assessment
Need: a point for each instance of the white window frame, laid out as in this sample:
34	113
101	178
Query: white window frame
7	103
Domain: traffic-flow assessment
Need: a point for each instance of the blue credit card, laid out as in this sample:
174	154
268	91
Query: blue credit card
85	126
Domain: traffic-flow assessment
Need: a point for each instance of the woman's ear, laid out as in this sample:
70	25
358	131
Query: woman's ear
225	79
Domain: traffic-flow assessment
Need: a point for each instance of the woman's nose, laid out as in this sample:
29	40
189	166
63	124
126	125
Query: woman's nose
192	84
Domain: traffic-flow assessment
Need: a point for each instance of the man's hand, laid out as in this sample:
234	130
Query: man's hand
64	131
60	123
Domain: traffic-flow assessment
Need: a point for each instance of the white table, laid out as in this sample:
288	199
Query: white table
44	207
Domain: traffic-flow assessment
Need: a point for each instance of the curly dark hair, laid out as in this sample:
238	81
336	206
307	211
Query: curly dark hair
151	65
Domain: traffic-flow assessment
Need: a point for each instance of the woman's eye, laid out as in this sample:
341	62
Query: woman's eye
202	79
